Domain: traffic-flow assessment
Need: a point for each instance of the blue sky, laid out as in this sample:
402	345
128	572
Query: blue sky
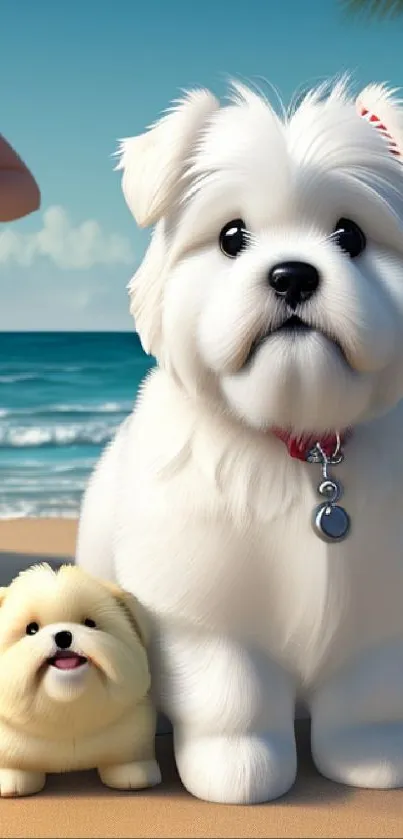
75	76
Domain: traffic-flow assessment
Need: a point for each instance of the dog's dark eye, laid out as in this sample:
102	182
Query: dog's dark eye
32	628
349	237
90	623
233	238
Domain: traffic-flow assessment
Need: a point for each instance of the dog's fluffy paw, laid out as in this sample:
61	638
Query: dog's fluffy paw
16	782
249	769
136	775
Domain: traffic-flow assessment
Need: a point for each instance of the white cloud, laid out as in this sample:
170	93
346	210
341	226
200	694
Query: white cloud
63	244
45	297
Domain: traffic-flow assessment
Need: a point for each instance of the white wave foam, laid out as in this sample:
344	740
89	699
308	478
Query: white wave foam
44	372
103	408
13	378
67	506
35	511
51	485
69	408
57	435
38	465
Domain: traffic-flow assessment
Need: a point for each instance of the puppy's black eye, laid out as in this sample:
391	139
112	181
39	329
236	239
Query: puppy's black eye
349	237
233	238
32	628
90	623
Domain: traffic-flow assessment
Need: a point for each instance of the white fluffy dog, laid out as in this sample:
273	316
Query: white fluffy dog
272	297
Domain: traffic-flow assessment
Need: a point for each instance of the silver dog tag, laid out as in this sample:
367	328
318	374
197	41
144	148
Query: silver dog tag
331	522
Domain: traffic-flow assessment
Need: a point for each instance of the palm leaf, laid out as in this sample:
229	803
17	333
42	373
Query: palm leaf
380	9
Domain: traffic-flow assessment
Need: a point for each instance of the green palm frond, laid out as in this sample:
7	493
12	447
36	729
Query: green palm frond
380	9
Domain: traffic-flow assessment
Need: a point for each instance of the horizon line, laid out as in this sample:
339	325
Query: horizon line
68	332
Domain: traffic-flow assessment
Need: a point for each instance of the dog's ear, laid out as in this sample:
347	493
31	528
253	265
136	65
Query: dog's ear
146	289
384	111
133	610
153	162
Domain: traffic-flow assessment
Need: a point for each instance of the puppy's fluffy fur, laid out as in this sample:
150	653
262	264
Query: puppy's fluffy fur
197	507
74	682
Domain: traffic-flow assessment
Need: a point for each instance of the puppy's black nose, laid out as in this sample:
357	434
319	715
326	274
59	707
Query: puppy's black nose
294	282
63	639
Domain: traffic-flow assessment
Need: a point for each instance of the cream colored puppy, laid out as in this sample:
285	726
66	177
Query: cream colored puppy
74	682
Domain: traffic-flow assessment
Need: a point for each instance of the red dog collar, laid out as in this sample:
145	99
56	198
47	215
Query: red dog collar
299	446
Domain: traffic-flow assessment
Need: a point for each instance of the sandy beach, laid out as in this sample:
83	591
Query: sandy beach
50	537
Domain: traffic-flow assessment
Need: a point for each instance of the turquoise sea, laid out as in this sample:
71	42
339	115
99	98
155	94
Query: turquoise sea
62	397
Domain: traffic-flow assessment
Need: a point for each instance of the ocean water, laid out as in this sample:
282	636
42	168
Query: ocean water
62	397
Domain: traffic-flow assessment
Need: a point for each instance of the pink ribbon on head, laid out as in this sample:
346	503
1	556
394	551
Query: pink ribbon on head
376	122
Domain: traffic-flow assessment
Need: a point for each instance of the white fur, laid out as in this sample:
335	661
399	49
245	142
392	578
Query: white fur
203	514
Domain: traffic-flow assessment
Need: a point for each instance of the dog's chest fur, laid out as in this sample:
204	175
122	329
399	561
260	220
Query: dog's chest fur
217	520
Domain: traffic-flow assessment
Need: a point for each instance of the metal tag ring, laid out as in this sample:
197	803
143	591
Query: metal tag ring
331	490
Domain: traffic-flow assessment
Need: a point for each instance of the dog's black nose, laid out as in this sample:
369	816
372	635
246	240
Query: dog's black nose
63	639
294	282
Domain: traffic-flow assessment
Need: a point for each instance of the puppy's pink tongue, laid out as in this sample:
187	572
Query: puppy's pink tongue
67	662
